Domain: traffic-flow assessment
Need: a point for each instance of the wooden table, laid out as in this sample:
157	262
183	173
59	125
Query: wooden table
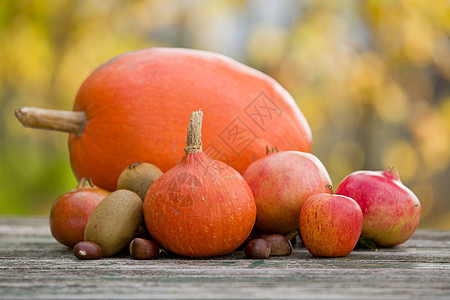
34	266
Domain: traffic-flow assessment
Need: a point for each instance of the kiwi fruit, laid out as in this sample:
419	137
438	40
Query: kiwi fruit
138	177
113	223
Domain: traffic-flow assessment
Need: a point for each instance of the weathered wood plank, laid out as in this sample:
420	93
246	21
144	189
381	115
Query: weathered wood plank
34	265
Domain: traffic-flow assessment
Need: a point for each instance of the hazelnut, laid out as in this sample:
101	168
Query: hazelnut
279	244
257	248
143	249
87	250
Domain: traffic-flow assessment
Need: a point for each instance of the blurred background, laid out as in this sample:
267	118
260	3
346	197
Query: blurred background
371	77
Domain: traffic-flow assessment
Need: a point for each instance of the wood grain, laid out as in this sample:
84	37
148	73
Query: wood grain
34	266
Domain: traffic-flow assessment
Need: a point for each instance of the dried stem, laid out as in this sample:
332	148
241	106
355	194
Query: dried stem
392	172
85	182
67	121
194	134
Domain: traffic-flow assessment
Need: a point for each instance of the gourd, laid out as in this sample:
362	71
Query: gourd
135	107
201	207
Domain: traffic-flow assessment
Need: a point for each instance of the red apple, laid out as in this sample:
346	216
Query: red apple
70	212
391	211
281	182
330	225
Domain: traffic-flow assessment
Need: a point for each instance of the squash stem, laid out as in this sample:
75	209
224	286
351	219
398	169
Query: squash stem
194	134
59	120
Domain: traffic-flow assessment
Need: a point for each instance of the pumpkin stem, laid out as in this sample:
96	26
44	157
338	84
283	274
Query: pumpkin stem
60	120
194	134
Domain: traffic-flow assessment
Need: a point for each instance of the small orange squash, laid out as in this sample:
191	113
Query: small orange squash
201	207
134	108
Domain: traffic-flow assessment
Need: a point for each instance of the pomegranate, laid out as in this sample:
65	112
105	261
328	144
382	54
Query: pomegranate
70	212
281	182
391	211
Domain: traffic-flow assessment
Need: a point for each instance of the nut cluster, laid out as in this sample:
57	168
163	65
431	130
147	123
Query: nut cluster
265	245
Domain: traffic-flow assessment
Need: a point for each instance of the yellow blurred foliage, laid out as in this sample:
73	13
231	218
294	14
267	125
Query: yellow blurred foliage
402	155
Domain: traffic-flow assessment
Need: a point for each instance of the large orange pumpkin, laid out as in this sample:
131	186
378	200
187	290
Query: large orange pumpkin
137	106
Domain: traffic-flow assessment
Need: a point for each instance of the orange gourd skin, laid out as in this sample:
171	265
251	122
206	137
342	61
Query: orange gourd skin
200	208
138	104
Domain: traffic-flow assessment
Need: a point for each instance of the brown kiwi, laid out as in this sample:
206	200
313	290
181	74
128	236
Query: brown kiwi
138	177
114	221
